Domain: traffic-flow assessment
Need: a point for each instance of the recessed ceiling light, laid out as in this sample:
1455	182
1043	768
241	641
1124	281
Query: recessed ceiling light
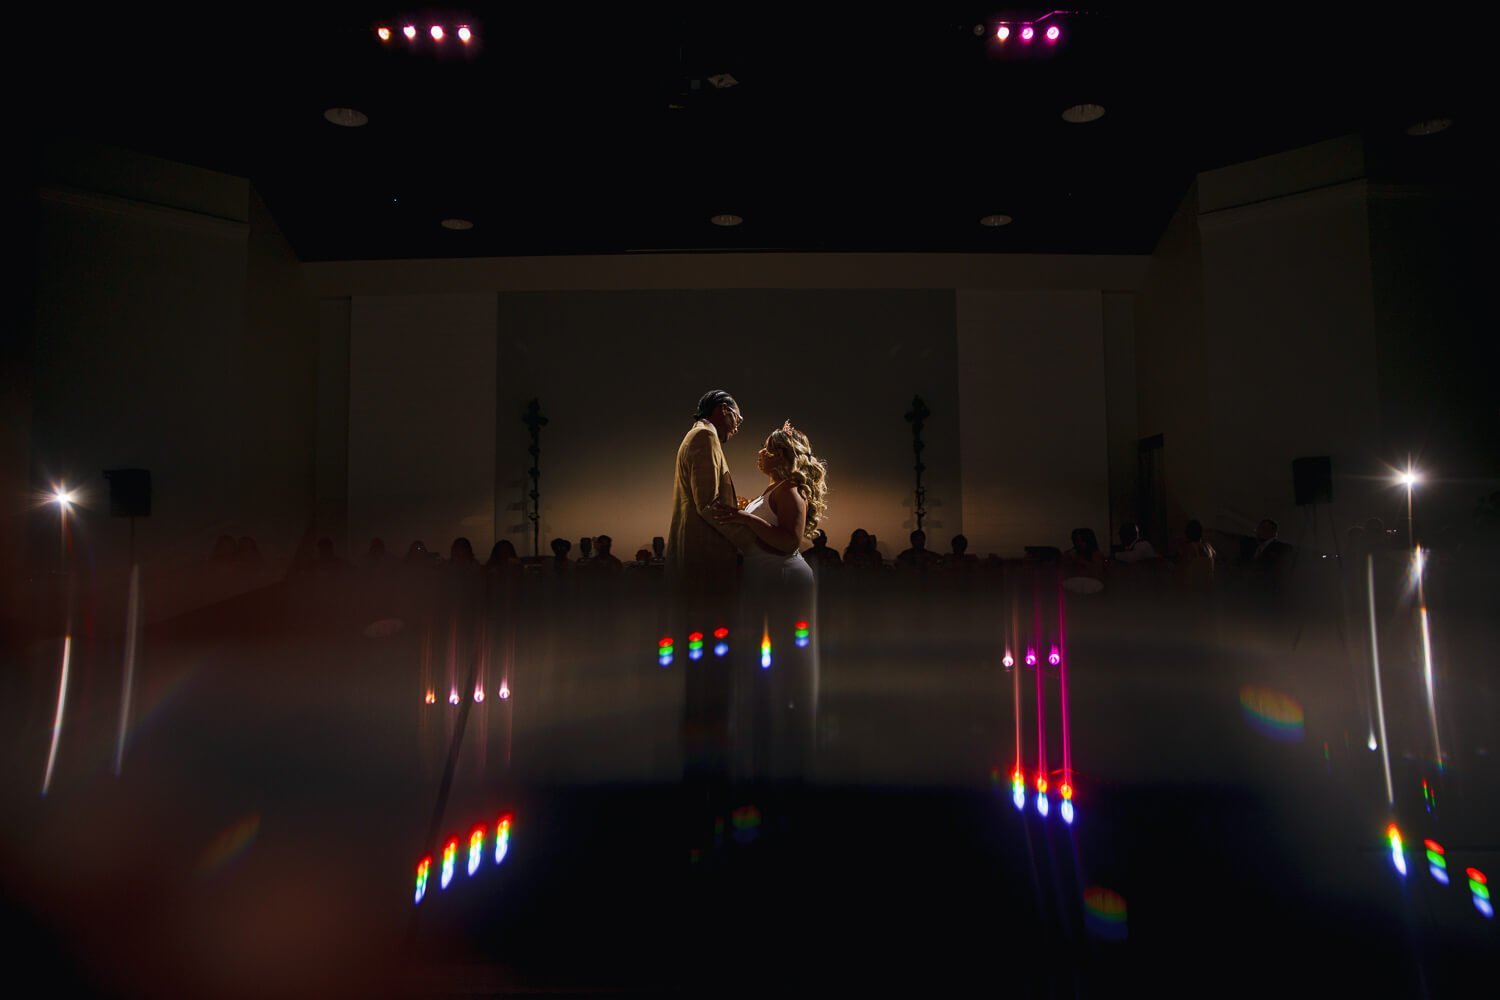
995	220
726	220
1078	114
347	117
457	224
1430	127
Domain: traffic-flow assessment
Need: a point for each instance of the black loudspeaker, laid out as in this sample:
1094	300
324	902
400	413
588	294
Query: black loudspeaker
129	492
1312	480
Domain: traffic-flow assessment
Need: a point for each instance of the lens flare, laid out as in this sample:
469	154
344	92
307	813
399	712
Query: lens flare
1398	856
722	649
502	839
802	634
1041	795
1027	33
1053	33
431	697
476	849
1008	661
464	34
664	651
504	691
1479	890
410	31
1031	657
1054	657
1018	789
453	698
423	867
1002	33
1105	913
1437	861
695	645
450	855
57	722
765	649
478	694
1276	715
384	35
436	31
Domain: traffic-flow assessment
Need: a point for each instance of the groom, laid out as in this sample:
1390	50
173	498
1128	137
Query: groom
702	552
703	570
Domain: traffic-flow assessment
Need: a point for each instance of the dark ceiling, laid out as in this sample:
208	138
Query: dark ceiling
563	131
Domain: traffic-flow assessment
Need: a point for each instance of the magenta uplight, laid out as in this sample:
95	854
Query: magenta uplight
1027	33
1053	34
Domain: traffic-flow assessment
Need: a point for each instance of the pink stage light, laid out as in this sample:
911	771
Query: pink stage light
1027	33
1002	33
1053	34
1054	657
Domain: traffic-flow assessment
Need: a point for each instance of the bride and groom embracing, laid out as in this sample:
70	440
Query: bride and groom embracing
737	564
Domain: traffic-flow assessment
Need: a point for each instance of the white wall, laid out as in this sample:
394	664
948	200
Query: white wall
421	440
1033	428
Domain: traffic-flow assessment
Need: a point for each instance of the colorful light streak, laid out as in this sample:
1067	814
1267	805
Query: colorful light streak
450	855
431	697
1479	890
695	645
1018	789
1398	856
664	651
802	634
765	648
476	850
504	691
1067	804
453	698
1008	661
1042	804
423	868
502	838
721	647
1062	702
1418	564
1105	913
1437	861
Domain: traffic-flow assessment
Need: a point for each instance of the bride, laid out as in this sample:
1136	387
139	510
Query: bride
775	701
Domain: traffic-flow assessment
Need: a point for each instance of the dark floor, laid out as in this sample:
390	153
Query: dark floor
282	770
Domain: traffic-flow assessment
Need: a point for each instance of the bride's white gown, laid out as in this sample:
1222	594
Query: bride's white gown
775	706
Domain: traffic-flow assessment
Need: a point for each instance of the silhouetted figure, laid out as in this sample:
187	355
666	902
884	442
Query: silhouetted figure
659	550
461	554
861	554
502	557
247	555
605	560
585	550
917	559
1083	564
820	556
376	556
958	558
560	549
1270	555
328	562
1196	561
642	557
1133	547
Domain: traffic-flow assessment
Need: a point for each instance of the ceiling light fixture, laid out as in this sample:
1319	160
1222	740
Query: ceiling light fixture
347	117
464	34
1080	114
457	225
994	221
410	31
726	220
1431	126
383	33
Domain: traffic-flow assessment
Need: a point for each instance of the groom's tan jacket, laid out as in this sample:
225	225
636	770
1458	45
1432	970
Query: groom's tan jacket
701	552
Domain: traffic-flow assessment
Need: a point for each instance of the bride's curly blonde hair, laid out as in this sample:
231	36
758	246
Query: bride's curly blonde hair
798	463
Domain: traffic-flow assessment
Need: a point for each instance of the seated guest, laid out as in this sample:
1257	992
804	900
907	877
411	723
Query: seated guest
604	560
1083	564
1133	548
959	559
820	556
1195	563
861	554
560	549
917	558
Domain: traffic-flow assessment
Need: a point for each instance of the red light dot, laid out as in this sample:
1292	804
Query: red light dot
1476	875
721	633
665	642
1433	845
802	624
695	637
